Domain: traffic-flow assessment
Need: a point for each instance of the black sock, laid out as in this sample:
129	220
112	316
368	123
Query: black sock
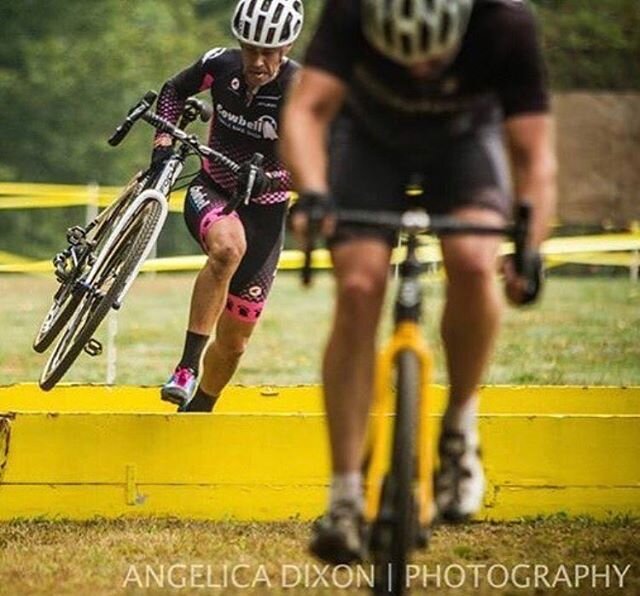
194	343
201	402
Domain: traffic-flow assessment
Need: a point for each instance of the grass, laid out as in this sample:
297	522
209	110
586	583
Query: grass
585	332
96	556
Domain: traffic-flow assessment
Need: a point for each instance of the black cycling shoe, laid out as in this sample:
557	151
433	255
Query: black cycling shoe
338	536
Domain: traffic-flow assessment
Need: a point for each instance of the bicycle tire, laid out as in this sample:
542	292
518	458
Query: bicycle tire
59	314
127	254
56	318
391	560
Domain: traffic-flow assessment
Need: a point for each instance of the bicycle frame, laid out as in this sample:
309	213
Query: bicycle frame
407	336
159	191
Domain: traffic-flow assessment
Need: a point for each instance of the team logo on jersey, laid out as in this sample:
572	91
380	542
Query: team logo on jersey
198	196
235	83
265	127
255	291
269	127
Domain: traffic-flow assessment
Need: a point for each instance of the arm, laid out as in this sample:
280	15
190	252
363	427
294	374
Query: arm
311	107
178	88
529	138
313	102
530	144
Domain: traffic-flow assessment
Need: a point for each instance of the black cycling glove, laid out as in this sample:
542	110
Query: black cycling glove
262	184
531	268
315	205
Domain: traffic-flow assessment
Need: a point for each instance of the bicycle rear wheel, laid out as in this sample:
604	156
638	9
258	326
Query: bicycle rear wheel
122	262
395	529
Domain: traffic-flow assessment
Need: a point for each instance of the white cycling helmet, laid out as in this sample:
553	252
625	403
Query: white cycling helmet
414	31
267	23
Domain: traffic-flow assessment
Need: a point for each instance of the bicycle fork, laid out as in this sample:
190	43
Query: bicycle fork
406	337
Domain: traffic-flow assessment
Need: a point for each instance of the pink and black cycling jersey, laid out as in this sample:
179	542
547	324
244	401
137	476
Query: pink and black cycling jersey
242	123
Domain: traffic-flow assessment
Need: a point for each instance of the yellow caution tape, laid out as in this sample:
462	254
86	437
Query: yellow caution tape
293	260
46	196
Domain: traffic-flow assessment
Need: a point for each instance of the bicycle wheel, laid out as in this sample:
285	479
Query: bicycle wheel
65	300
395	529
63	306
122	262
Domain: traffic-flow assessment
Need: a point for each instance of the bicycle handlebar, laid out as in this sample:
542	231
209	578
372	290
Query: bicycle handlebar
141	111
419	221
192	140
133	116
193	109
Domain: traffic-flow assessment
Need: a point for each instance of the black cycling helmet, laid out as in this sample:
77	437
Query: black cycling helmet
415	31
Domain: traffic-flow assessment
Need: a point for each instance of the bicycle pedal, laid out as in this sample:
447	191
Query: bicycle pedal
75	235
93	347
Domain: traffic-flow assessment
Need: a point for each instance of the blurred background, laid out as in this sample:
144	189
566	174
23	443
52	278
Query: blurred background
70	69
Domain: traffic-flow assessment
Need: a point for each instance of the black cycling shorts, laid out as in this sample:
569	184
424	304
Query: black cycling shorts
469	170
264	232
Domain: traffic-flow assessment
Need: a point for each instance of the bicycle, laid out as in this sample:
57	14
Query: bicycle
399	504
97	268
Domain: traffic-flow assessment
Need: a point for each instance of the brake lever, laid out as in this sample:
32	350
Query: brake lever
250	182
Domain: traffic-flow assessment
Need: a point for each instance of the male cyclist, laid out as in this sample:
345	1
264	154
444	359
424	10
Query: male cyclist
395	92
247	86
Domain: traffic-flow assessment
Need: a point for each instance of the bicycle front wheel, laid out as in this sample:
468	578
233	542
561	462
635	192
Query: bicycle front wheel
64	304
395	530
121	264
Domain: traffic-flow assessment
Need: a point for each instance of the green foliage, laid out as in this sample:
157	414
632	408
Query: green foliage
70	69
592	44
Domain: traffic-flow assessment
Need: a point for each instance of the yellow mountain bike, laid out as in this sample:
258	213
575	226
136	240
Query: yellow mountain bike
398	469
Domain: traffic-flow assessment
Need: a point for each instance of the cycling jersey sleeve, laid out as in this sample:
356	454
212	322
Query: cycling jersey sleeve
197	77
332	47
522	84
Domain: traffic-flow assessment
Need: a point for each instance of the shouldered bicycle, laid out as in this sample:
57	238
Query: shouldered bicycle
101	261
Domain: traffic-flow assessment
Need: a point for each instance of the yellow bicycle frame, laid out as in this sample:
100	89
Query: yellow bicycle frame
406	336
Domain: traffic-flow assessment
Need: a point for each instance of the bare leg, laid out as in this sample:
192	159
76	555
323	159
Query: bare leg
226	246
361	268
223	354
473	305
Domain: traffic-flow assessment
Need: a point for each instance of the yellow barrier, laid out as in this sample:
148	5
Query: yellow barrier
83	451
